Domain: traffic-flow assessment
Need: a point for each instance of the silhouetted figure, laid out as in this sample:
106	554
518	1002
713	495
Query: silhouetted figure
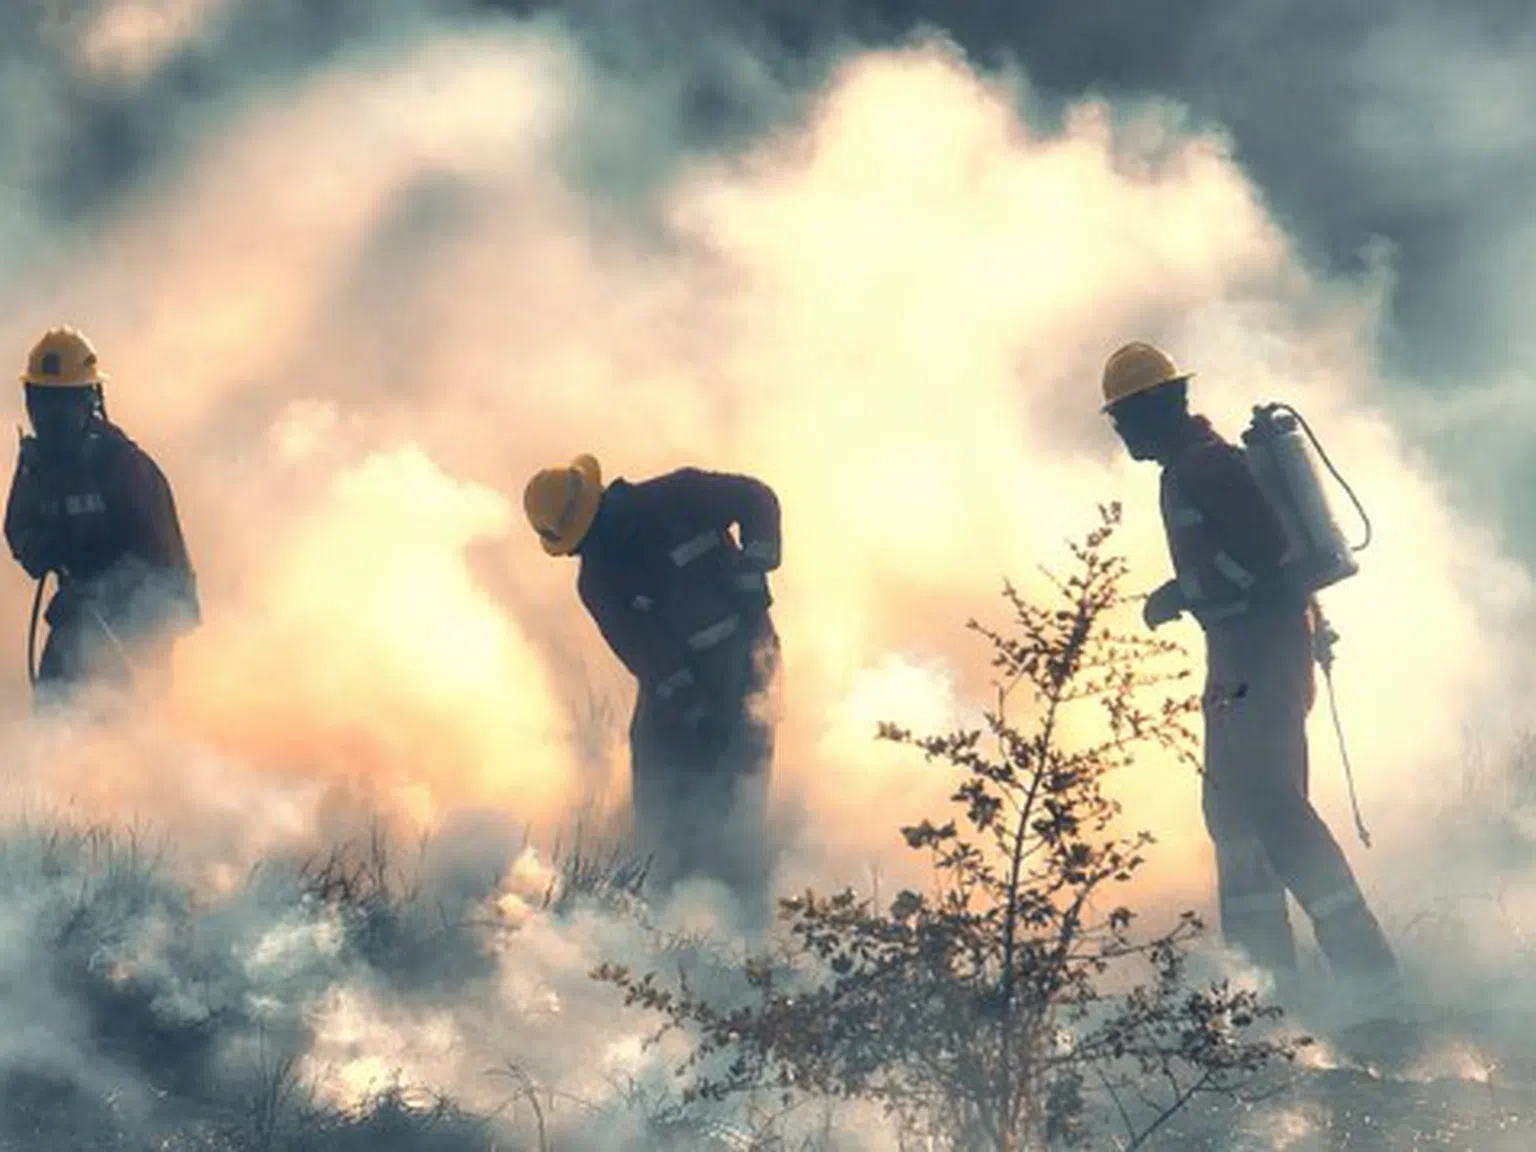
686	609
90	506
1226	542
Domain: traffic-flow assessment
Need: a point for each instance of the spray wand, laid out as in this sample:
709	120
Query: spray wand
1323	639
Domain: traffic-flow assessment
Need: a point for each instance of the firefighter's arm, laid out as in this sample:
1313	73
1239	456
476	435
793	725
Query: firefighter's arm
652	656
24	533
724	499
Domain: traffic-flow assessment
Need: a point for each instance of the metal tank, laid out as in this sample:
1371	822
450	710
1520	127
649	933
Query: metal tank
1278	447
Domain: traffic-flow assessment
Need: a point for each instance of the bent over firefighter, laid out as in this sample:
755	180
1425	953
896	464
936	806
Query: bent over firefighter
685	607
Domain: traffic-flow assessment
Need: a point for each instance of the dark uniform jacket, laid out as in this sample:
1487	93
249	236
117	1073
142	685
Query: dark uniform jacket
1226	543
105	520
674	595
1225	540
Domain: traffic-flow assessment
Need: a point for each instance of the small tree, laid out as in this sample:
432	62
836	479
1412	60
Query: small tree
985	1011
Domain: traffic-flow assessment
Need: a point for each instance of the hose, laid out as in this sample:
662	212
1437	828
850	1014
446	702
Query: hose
37	605
1349	774
1328	463
1323	654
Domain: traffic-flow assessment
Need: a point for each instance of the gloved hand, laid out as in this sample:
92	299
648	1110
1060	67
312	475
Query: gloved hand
1323	640
1164	604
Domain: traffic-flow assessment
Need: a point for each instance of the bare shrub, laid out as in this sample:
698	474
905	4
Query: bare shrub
1003	1009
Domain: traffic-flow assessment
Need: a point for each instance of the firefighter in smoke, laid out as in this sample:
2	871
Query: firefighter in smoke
686	609
89	505
1226	543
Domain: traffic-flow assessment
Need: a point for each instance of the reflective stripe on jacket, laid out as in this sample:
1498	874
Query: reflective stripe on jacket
666	583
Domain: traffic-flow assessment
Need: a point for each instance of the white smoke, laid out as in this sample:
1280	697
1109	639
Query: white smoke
352	319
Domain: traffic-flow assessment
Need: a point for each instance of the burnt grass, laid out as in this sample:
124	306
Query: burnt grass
117	1044
124	995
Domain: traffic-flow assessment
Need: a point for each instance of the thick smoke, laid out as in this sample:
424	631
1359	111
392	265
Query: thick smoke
1362	128
357	272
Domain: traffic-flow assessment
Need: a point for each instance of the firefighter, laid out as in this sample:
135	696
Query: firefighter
685	608
1226	542
89	505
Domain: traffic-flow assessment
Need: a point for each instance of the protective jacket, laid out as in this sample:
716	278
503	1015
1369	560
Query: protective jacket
673	594
102	517
686	610
1224	538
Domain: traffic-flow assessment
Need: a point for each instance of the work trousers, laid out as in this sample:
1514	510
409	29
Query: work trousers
701	810
80	652
1268	837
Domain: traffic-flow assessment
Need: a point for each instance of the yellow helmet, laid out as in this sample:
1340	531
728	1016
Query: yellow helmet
63	358
1135	368
562	503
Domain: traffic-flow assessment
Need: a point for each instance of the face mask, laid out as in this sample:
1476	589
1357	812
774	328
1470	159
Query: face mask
1139	440
1146	422
60	416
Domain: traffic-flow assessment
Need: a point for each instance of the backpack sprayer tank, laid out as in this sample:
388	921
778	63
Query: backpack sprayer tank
1278	448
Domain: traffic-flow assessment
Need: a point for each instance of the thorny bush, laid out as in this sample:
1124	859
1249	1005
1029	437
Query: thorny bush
1003	1009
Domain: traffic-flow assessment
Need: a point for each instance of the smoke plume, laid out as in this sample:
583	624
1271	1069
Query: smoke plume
357	274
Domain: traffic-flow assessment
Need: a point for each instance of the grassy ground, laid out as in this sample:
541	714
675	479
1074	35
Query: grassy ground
139	1017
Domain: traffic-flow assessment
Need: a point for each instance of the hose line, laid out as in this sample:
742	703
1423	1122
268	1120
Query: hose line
1349	774
37	605
1326	658
1322	455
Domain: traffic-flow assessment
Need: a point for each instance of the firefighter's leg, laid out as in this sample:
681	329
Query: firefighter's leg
741	851
730	787
681	799
59	669
1297	841
751	749
652	788
1251	896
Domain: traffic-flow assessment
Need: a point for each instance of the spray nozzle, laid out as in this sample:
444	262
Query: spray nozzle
1324	638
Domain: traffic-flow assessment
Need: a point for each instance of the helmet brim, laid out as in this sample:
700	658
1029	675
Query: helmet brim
1181	378
95	382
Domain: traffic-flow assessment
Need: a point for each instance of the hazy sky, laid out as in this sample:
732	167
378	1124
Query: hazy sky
360	267
1407	124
